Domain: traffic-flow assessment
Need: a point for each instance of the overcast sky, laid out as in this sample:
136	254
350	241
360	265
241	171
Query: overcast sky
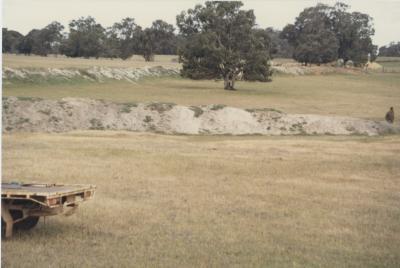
24	15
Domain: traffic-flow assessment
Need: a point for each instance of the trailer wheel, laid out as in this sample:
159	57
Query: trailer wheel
27	223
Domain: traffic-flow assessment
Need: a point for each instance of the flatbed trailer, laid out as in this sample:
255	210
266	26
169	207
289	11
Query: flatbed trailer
23	204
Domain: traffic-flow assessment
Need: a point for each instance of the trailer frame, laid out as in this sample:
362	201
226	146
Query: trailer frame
23	204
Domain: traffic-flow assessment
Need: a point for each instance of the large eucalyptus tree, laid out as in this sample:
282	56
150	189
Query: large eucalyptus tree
221	41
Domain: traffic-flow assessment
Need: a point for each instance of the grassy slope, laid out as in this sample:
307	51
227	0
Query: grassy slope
366	96
212	201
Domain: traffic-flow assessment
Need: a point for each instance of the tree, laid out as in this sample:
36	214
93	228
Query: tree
353	31
51	37
10	40
147	44
164	38
86	38
317	48
324	33
159	38
220	41
280	48
125	37
311	37
30	42
111	46
43	41
392	50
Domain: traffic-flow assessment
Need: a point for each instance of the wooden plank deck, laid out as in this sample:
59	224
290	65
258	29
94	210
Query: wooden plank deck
45	190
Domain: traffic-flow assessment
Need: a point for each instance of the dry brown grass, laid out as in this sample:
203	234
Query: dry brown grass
183	201
21	61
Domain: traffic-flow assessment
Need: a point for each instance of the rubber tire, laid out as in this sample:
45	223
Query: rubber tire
27	224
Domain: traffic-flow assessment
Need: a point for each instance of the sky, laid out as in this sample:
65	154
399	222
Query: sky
24	15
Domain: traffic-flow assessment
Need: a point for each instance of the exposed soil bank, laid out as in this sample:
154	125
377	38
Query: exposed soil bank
38	115
101	74
94	74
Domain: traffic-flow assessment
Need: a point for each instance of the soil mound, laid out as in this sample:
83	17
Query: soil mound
101	74
95	74
374	66
38	115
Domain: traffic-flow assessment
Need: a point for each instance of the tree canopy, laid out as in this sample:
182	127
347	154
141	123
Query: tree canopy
216	40
159	38
10	40
324	33
123	37
165	38
86	38
220	41
392	50
43	41
280	47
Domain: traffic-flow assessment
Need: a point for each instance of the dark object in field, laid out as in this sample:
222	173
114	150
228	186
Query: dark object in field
390	116
23	204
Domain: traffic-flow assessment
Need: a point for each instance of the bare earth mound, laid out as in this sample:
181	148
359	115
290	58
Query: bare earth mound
101	74
94	74
38	115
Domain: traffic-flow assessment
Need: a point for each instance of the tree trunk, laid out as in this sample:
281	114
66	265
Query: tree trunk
148	57
229	82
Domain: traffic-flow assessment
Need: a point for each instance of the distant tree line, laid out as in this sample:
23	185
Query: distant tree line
87	38
320	34
392	50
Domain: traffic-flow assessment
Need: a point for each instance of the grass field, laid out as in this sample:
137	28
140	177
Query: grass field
184	201
214	201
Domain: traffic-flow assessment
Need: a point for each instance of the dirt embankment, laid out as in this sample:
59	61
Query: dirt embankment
94	74
37	115
101	74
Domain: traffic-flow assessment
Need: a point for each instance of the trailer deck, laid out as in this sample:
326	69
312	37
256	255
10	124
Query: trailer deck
23	204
